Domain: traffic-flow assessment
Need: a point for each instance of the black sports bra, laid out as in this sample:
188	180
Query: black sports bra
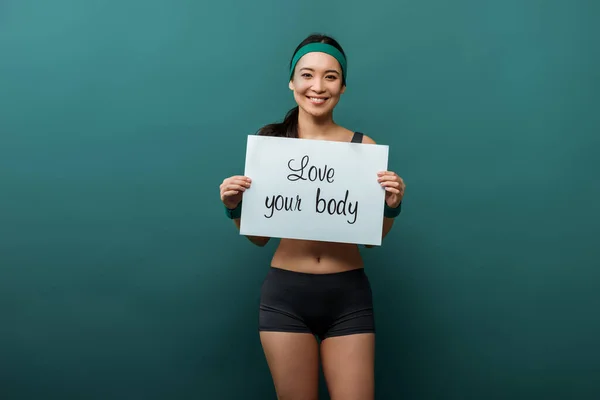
357	137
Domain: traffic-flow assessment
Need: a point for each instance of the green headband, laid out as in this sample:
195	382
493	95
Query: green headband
320	48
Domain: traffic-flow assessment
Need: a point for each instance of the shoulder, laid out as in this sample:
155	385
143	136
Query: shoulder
368	139
348	135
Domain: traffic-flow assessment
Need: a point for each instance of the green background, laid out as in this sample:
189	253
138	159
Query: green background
121	278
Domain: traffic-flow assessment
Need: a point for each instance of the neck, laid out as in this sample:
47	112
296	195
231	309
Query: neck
310	127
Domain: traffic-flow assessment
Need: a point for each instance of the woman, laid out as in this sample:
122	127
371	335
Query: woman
317	289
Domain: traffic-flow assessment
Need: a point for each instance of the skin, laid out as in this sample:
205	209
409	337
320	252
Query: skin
348	361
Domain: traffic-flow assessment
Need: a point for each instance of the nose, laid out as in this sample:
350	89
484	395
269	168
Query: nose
318	86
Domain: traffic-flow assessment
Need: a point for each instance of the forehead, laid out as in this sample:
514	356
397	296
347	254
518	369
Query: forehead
317	60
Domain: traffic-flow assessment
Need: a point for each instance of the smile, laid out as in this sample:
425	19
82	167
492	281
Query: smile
317	100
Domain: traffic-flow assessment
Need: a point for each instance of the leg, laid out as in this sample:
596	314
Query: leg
349	366
293	359
348	347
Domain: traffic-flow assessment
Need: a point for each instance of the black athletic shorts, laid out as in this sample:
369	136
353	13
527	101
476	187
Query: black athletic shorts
325	305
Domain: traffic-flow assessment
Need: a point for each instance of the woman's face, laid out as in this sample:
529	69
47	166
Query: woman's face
317	84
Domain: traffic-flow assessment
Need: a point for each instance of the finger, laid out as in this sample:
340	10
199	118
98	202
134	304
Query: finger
388	175
384	173
239	188
229	193
236	178
388	178
392	190
239	182
391	184
245	178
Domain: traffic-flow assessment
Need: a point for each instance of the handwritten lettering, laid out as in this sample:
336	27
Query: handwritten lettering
303	171
341	207
279	203
313	173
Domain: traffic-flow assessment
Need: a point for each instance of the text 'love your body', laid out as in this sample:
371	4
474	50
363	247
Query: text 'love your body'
324	204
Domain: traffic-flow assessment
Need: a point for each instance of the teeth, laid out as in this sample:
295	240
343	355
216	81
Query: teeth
315	100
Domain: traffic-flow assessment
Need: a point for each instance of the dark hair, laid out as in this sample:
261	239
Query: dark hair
289	126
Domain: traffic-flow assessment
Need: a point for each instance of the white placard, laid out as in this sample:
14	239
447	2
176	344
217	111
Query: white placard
314	190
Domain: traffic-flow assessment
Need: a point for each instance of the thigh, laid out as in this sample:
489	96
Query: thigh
293	359
349	366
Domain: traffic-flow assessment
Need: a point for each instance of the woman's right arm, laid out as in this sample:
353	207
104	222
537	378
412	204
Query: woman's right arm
232	190
257	240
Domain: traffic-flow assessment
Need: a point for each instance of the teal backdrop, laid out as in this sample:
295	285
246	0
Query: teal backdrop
121	278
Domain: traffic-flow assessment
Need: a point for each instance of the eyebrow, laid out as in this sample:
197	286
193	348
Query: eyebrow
329	70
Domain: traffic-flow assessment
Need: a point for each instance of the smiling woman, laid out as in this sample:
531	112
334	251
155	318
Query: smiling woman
317	290
317	83
318	79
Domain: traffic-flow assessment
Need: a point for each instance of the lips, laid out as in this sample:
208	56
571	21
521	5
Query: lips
317	100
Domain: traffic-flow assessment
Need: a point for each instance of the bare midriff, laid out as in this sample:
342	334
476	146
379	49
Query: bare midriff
316	257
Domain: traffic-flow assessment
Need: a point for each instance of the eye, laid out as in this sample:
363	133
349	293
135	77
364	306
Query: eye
306	75
332	77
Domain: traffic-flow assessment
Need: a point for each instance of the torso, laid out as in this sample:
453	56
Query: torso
318	257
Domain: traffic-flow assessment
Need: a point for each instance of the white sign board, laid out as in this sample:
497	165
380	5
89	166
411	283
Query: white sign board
314	190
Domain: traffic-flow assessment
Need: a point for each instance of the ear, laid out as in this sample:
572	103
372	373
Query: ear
343	89
291	85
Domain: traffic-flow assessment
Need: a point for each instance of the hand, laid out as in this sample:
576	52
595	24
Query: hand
394	187
232	190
